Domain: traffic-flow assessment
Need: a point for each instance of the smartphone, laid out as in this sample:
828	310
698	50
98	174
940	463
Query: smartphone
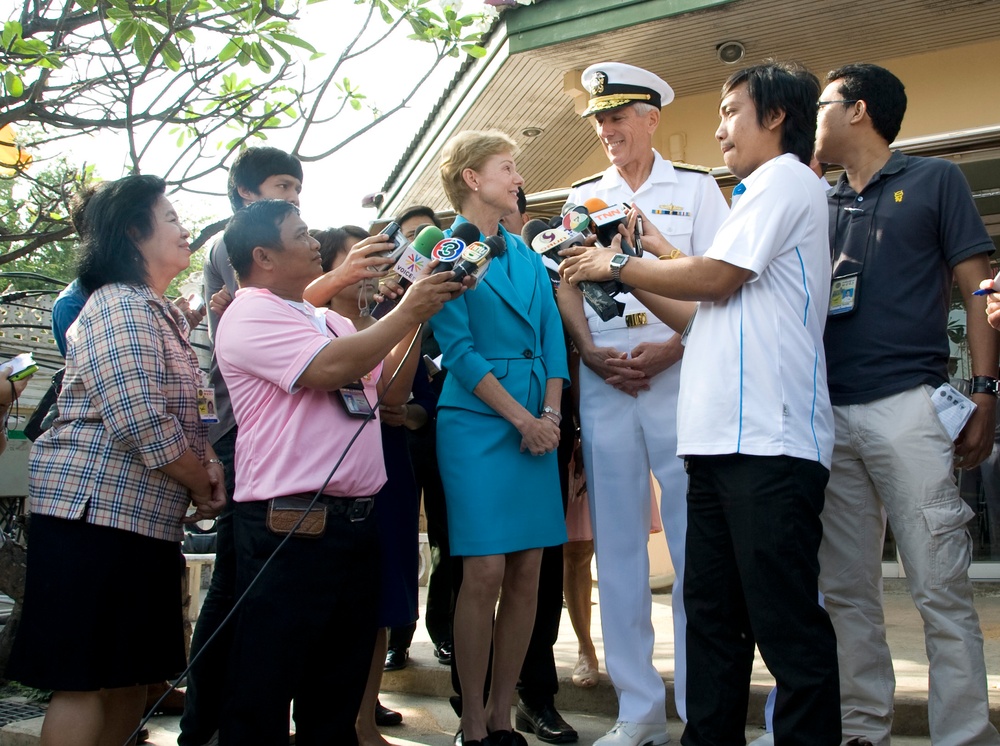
399	243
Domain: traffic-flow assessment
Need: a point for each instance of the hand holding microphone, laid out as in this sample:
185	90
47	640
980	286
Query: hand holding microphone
410	265
550	242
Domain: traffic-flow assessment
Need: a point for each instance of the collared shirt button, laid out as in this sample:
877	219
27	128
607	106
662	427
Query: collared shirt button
528	354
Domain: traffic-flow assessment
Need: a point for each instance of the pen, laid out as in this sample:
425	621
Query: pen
984	291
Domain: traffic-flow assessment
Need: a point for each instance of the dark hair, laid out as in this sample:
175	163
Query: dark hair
257	224
415	211
118	215
783	87
254	166
78	207
333	242
883	93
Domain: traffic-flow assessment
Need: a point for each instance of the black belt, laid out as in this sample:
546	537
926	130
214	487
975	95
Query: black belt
353	508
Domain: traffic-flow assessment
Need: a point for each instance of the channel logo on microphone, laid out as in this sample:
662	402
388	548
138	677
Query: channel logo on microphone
448	250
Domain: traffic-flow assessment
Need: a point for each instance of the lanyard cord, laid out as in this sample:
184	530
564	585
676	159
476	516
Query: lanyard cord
284	541
871	226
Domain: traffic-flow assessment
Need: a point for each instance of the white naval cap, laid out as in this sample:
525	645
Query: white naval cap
613	85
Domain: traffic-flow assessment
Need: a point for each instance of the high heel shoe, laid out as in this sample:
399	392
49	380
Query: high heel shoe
585	674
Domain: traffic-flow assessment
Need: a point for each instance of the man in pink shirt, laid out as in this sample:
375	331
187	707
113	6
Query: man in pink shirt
301	381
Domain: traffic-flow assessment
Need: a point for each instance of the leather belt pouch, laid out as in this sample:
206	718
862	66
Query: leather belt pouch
284	512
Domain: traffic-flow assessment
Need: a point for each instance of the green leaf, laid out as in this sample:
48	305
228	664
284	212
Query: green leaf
229	51
143	45
474	50
13	84
294	41
123	34
280	50
355	104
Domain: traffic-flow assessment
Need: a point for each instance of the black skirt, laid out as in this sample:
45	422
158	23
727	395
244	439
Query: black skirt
102	608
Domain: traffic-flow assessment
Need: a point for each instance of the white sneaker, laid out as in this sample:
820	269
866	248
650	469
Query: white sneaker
765	740
635	734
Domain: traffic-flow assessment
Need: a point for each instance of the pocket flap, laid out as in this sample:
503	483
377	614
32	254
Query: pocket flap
947	516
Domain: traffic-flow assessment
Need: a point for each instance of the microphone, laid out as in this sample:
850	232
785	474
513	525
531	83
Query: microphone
415	257
476	258
449	250
606	221
548	242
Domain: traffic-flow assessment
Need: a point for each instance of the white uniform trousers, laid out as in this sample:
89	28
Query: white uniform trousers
623	439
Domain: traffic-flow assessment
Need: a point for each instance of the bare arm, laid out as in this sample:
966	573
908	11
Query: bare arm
687	278
320	291
346	359
976	440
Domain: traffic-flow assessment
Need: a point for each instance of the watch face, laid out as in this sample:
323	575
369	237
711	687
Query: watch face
618	260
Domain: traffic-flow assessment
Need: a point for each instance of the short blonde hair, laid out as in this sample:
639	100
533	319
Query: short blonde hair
470	149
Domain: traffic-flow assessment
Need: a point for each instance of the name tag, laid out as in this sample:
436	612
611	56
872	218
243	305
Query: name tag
206	405
844	294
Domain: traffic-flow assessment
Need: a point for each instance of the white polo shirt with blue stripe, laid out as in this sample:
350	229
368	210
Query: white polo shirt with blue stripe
753	378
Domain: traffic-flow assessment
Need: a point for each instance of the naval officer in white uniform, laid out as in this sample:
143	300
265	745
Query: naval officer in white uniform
628	396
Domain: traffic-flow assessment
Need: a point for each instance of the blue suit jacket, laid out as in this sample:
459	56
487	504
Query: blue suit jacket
508	326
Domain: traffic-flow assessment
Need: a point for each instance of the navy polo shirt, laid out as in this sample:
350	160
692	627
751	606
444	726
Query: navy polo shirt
906	230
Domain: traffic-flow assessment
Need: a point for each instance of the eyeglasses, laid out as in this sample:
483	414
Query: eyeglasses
845	101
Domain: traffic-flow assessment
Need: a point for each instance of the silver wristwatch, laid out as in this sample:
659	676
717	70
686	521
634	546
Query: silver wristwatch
617	262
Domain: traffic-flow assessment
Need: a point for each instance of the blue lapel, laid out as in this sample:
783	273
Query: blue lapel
517	286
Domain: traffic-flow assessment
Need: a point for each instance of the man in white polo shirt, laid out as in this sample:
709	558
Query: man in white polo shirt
754	420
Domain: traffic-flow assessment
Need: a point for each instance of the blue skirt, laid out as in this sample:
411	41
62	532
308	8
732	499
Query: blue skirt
499	500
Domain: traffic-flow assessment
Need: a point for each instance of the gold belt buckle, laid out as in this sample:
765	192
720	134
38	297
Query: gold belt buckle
635	319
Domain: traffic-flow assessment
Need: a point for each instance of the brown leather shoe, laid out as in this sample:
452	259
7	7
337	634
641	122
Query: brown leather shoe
172	705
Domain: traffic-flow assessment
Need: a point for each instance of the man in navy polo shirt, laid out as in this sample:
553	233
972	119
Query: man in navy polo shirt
901	228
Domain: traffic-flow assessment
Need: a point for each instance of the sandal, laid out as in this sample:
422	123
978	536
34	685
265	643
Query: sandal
585	675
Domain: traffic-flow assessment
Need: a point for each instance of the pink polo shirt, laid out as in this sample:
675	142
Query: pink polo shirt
290	437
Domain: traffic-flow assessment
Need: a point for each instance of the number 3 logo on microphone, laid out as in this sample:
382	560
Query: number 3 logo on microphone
448	250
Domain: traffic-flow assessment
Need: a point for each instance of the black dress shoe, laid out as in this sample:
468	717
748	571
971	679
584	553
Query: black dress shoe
443	652
461	741
384	716
545	723
507	738
396	658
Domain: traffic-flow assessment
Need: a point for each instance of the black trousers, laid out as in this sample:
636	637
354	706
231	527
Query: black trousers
440	610
207	678
751	577
306	631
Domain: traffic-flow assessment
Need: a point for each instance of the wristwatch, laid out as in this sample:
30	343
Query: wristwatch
985	385
617	262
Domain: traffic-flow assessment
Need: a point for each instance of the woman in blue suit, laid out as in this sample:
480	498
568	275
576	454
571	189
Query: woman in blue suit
498	429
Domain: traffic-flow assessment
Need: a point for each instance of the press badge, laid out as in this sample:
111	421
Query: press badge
354	400
206	405
844	294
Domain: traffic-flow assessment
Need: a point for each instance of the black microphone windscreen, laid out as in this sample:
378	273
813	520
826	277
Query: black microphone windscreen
531	229
555	221
498	246
466	232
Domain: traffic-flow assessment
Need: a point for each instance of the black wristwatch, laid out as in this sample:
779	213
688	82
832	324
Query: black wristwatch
985	385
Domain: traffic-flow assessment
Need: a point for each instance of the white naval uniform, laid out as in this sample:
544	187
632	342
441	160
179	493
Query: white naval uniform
625	437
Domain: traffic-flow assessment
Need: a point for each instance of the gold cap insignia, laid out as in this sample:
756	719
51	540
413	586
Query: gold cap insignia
596	83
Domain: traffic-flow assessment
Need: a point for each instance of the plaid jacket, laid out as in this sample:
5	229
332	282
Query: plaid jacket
128	406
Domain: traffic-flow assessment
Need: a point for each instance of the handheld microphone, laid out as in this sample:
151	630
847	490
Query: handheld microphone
448	251
414	259
606	221
548	242
476	258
